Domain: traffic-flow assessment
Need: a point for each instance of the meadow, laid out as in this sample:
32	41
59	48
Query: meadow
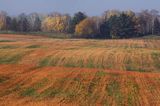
36	70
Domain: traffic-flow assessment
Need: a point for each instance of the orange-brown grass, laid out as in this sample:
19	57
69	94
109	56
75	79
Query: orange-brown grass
36	70
131	54
77	86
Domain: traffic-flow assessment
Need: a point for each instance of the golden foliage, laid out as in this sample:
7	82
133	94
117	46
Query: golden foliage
56	24
86	28
2	23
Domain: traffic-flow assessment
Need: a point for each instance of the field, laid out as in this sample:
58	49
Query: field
36	70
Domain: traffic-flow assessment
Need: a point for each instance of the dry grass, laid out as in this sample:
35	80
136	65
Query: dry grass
130	55
44	71
77	86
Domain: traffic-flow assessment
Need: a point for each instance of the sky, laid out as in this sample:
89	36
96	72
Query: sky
90	7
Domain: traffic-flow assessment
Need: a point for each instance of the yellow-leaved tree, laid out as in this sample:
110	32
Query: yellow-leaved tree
56	23
3	20
86	28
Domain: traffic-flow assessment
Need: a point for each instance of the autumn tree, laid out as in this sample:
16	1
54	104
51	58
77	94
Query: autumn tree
86	28
56	23
3	20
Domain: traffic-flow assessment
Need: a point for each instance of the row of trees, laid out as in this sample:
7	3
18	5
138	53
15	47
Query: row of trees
112	24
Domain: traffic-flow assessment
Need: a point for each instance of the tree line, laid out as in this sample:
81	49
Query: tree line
112	24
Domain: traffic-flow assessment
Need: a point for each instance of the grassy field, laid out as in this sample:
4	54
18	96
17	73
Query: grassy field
36	70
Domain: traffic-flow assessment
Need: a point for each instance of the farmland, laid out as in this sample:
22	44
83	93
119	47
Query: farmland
36	70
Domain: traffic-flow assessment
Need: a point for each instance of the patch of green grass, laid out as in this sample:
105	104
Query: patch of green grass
29	92
70	63
109	66
45	62
134	90
130	68
141	70
156	58
8	47
94	83
112	87
80	63
33	46
6	41
54	61
74	48
41	83
113	90
101	73
10	59
48	61
69	96
50	92
90	63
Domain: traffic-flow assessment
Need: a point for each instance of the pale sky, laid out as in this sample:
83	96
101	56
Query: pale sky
91	7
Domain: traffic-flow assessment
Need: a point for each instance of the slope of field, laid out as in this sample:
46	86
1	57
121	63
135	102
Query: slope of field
37	70
130	55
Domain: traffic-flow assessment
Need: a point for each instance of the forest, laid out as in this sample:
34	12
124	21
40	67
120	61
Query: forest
112	24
